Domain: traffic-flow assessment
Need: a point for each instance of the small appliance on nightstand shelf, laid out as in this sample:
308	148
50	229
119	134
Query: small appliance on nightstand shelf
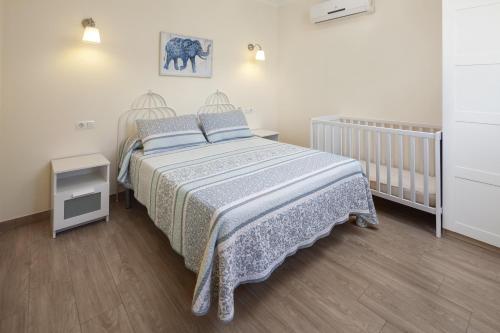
266	134
80	191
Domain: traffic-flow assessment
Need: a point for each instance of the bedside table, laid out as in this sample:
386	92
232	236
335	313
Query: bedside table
266	134
80	191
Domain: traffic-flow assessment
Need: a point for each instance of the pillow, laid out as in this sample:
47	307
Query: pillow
225	126
169	133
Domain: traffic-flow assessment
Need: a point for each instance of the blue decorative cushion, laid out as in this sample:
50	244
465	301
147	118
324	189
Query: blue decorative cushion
169	133
225	125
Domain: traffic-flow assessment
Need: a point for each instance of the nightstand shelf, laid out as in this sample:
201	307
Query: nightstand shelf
74	182
80	191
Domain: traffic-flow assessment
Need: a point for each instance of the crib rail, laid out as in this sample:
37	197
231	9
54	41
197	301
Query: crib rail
390	152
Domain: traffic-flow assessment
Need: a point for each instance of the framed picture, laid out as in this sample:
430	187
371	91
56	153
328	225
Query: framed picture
185	56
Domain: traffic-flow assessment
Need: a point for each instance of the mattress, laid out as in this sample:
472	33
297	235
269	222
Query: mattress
235	210
419	183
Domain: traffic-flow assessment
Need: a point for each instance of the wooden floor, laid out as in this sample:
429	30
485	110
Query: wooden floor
122	276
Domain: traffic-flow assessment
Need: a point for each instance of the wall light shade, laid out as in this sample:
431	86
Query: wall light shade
91	33
260	55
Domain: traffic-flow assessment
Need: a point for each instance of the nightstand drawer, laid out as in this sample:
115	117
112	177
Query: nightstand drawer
77	207
82	204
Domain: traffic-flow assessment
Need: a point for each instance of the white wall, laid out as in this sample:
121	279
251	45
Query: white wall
51	79
386	65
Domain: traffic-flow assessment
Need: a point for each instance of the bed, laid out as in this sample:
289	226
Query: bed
236	209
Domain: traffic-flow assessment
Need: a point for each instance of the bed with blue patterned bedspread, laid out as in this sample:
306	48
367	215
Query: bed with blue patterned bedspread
236	209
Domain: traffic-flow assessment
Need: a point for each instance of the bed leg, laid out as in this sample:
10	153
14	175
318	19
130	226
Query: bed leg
361	222
128	199
438	225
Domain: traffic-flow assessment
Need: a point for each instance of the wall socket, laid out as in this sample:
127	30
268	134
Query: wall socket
85	124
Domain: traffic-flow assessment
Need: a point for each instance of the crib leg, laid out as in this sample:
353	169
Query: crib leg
438	225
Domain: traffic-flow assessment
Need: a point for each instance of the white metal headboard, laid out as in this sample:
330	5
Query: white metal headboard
217	102
147	106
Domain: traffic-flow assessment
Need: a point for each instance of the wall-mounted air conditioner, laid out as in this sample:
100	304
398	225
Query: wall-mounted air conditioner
333	9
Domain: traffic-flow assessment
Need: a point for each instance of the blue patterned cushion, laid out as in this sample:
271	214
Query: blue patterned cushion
169	133
224	126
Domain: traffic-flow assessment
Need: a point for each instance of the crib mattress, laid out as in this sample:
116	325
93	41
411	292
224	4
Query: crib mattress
419	183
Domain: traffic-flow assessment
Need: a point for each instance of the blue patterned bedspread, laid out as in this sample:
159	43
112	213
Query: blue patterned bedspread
235	210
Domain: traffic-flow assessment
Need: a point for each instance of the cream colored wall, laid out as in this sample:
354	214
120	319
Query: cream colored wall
386	65
52	80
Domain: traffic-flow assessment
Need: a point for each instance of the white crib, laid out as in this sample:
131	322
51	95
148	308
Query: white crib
401	160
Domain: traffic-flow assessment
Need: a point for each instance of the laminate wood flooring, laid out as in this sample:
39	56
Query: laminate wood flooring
122	276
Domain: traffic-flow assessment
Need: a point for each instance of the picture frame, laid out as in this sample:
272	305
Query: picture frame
188	56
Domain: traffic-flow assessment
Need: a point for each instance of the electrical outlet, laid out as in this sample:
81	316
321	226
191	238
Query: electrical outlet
85	124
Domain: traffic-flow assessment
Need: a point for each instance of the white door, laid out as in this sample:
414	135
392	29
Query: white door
471	118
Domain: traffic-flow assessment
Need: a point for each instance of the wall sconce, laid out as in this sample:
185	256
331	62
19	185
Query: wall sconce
91	33
260	55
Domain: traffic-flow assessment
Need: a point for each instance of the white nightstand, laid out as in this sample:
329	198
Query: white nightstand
80	191
266	134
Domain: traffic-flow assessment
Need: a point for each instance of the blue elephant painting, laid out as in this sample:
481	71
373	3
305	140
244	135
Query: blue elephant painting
185	56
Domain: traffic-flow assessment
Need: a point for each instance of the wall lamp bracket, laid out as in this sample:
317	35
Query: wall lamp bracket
251	47
88	22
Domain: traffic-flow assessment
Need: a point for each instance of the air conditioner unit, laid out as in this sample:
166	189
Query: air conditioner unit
333	9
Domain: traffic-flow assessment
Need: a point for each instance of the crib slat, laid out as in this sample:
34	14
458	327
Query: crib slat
400	167
311	135
426	172
377	148
389	163
341	141
349	141
368	135
317	137
325	141
332	138
359	144
321	133
412	169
